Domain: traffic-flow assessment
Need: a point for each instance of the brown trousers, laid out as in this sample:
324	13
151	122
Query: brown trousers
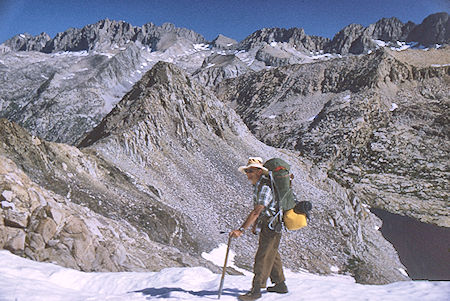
267	259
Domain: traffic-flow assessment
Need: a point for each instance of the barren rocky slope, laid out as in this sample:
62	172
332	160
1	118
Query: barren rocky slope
61	96
178	137
378	124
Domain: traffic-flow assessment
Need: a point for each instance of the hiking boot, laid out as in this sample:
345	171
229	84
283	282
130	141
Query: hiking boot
251	295
279	288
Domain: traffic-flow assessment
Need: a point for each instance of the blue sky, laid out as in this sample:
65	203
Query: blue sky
233	18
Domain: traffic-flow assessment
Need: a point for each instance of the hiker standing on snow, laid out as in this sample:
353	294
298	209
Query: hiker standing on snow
267	260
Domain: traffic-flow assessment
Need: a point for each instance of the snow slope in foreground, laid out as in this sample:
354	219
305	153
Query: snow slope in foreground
23	279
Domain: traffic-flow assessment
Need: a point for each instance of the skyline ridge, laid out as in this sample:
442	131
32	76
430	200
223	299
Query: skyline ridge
236	20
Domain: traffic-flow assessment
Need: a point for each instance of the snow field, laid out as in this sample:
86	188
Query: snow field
23	279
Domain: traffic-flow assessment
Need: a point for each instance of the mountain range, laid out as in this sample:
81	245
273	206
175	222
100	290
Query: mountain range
354	38
120	144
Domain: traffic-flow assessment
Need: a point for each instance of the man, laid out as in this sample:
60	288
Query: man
267	260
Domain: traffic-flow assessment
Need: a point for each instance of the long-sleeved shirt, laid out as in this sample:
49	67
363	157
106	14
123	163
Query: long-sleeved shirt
262	195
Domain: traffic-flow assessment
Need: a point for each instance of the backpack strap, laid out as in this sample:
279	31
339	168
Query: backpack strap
278	217
275	190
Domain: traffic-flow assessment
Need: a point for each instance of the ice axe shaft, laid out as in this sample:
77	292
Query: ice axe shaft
224	267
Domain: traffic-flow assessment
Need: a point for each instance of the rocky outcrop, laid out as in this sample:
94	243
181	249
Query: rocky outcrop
41	225
217	67
65	176
275	57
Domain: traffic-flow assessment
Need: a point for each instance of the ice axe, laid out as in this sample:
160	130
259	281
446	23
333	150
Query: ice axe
224	267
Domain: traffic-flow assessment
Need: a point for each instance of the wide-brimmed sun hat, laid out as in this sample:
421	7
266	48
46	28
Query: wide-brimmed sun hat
255	162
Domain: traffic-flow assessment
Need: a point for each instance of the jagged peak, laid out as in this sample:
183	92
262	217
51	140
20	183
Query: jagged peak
275	34
388	20
434	29
294	36
436	16
224	42
104	33
221	36
168	26
351	28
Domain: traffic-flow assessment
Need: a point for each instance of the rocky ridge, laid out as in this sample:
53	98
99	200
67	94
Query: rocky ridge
354	38
216	68
105	34
295	37
357	39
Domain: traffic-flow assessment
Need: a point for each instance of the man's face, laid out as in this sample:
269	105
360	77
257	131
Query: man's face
253	174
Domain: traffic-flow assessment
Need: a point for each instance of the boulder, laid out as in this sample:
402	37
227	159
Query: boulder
14	240
46	228
15	219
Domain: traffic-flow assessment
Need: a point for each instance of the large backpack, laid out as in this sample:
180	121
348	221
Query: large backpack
280	180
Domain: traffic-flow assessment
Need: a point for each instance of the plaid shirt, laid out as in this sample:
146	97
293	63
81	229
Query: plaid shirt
264	198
